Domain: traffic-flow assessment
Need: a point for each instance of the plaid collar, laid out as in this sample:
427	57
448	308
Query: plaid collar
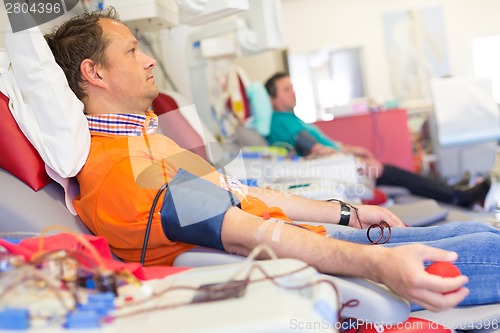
123	124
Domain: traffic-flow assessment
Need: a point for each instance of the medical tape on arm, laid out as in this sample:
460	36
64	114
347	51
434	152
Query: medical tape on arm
278	226
277	230
263	227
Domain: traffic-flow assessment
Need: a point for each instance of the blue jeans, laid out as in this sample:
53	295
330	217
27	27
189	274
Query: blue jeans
477	245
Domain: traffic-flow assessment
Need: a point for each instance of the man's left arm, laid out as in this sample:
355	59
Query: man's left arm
302	209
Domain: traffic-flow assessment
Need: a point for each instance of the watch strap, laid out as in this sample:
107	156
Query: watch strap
345	214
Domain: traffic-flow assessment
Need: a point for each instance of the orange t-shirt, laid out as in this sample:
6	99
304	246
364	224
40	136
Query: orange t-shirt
119	182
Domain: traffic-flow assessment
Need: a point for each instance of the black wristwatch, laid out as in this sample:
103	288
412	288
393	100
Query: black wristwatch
345	214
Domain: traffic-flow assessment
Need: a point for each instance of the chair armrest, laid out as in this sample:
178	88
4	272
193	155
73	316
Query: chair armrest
202	256
376	302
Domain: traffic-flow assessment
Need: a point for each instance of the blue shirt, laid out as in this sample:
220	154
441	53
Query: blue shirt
286	125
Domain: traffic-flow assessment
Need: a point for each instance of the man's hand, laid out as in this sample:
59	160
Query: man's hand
402	270
357	151
318	150
368	215
370	167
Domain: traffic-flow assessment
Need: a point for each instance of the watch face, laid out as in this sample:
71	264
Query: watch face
345	214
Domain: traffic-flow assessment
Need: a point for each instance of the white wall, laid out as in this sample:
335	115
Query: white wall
259	67
313	24
175	45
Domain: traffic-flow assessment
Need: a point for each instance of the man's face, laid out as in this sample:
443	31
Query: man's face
128	71
285	95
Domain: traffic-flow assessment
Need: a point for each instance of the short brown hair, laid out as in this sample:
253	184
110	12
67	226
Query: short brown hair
77	39
271	83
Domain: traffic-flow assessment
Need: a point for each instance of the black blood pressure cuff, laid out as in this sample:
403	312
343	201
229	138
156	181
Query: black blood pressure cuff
193	210
304	142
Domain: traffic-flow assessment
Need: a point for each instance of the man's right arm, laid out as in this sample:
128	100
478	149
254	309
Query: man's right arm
400	268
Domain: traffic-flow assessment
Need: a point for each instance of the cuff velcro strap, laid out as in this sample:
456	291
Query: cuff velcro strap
304	142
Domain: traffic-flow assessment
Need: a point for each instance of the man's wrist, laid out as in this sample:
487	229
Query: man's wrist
374	266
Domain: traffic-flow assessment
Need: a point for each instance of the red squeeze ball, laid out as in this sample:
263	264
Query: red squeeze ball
444	269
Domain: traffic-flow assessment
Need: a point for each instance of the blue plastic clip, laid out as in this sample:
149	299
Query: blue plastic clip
82	319
14	319
101	303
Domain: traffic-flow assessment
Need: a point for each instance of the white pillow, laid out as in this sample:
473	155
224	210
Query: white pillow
44	106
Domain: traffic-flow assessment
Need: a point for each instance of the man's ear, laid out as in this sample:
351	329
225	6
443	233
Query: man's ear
90	72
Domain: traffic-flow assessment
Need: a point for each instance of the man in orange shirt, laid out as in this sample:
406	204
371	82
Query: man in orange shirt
128	163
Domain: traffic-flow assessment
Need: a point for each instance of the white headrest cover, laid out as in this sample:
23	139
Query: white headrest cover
44	106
